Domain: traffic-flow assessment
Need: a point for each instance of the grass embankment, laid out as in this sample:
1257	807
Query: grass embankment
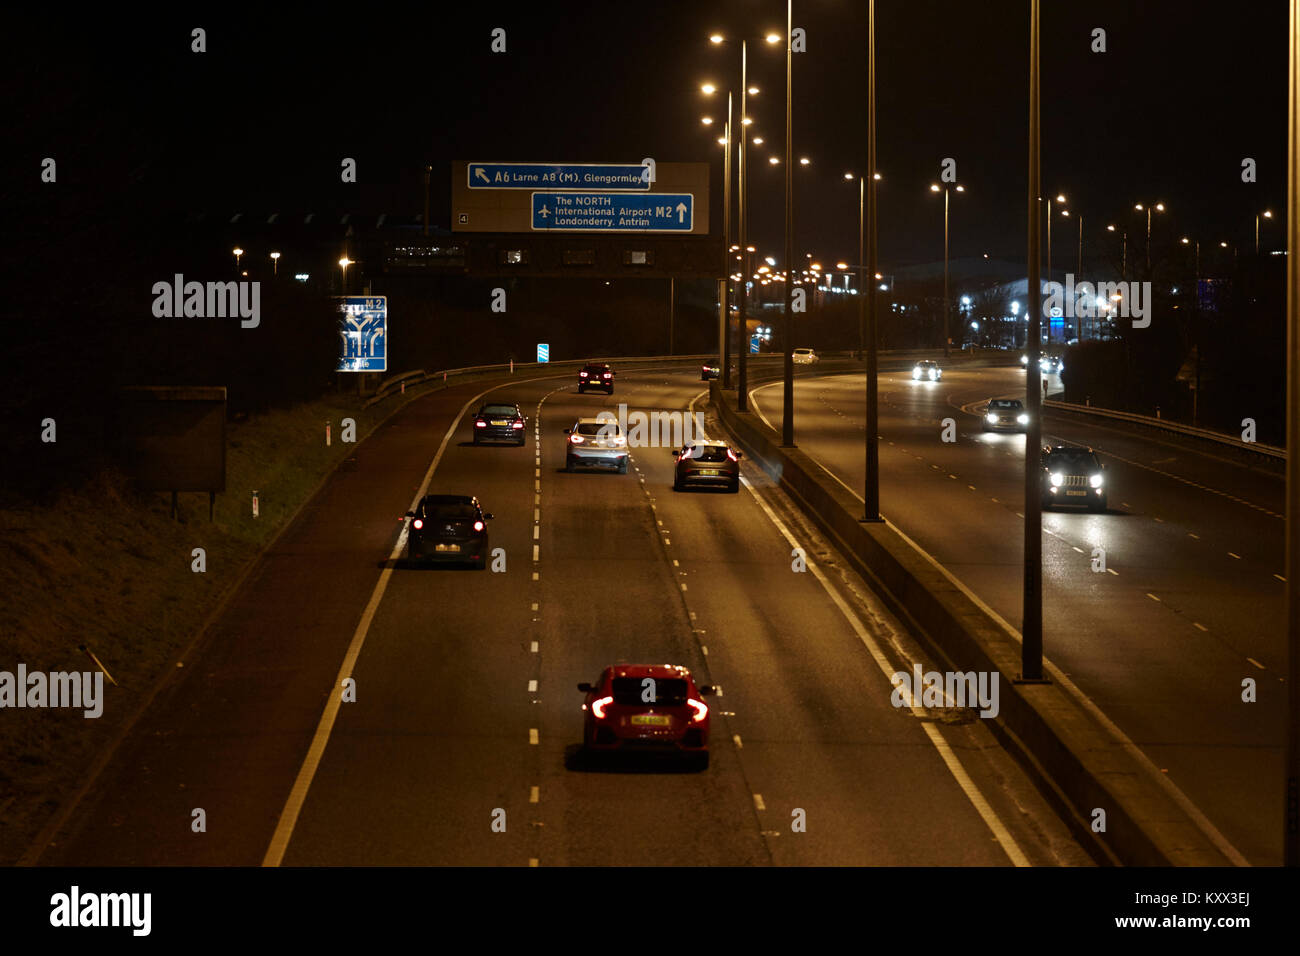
108	567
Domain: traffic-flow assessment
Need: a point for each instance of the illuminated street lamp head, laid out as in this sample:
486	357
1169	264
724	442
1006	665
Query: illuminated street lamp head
1185	240
748	121
773	38
1110	228
934	188
345	262
1223	245
706	120
708	89
1060	198
773	160
752	91
722	141
842	266
275	255
1160	207
750	249
849	176
769	260
1267	214
961	189
237	251
1139	207
804	161
1065	213
879	276
716	38
875	176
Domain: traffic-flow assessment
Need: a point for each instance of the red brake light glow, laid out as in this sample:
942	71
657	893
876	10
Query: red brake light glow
732	455
479	423
576	438
417	524
582	375
608	375
519	424
478	525
598	707
700	708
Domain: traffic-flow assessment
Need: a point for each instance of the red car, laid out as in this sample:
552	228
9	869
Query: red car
647	707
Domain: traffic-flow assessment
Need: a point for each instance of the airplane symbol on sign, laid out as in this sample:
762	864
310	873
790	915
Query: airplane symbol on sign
478	171
543	212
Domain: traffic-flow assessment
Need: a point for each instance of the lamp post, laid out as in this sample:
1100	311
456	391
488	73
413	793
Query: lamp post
1291	776
1123	252
1031	627
1078	273
1060	199
1158	207
935	188
1267	214
275	263
787	360
1196	332
724	320
238	252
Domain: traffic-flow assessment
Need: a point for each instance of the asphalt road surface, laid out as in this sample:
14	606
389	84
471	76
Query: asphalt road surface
1190	603
462	745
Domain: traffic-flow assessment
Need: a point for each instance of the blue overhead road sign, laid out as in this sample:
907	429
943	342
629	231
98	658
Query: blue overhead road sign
541	176
613	212
364	329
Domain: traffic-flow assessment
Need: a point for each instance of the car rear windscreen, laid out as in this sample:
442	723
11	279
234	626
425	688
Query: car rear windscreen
610	429
709	453
498	410
669	691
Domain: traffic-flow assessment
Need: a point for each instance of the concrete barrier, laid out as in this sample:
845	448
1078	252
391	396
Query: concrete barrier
1080	759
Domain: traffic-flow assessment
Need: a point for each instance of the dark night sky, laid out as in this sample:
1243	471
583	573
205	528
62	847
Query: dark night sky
143	127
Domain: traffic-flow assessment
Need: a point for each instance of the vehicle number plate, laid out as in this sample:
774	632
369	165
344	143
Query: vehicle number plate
499	422
708	471
651	720
446	547
1076	492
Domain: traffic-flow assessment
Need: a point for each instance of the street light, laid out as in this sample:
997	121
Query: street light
944	189
1158	207
275	263
344	263
1196	295
1123	252
1267	214
238	252
743	346
724	310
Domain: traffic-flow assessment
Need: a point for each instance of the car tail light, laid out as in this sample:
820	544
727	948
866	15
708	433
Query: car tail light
582	375
608	375
478	525
598	707
519	423
732	455
700	708
417	524
686	453
479	423
575	438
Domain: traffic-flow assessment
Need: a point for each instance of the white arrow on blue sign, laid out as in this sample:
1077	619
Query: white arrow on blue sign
557	176
613	212
543	352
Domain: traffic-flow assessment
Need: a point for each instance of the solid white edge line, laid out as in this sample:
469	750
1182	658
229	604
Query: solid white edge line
311	762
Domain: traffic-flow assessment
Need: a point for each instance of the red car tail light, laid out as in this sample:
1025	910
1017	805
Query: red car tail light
582	375
598	707
575	438
700	708
519	424
608	375
417	524
478	525
732	455
479	423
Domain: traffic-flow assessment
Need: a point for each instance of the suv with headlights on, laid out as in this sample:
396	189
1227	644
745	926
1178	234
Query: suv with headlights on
596	443
1072	475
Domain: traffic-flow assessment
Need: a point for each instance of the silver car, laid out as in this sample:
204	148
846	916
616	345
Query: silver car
596	443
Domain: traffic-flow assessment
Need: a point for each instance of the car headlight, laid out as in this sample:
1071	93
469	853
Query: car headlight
1023	419
1096	481
916	373
1057	478
991	418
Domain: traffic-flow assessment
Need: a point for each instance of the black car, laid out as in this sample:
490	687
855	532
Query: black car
708	371
706	463
499	422
1072	475
596	375
448	528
